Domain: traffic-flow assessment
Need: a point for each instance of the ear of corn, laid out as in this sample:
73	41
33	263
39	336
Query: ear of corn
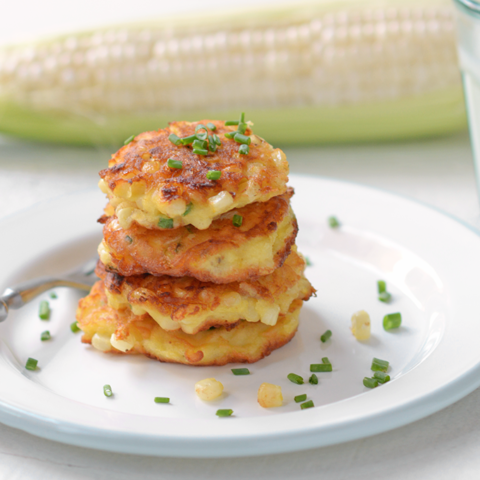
326	71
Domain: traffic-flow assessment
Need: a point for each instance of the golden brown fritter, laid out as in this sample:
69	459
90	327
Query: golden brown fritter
246	343
223	253
143	189
191	305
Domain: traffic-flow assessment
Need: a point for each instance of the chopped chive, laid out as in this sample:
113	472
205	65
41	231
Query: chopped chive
189	228
379	365
313	379
237	220
45	336
165	223
242	127
370	382
308	262
226	412
333	222
129	139
188	140
74	327
242	117
31	364
44	310
107	390
230	123
188	209
161	400
200	151
230	135
172	163
243	150
300	398
382	377
214	174
202	136
216	139
212	146
321	367
384	297
295	378
240	138
308	404
129	239
382	286
240	371
393	320
211	126
53	295
200	126
175	139
200	144
326	361
326	336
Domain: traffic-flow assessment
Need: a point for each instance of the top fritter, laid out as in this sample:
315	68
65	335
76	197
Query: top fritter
190	173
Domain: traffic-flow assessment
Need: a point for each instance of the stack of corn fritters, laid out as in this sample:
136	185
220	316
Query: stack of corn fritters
193	269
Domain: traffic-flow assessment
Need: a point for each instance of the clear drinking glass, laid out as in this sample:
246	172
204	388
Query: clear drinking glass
468	31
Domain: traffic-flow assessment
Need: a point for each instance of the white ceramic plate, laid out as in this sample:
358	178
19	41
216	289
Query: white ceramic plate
430	263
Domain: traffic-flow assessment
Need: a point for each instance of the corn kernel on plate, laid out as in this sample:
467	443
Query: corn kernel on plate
425	257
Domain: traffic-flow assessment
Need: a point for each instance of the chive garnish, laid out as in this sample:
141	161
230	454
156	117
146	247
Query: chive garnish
226	412
175	139
240	371
211	126
172	163
161	400
165	223
321	367
45	336
379	365
129	139
200	151
74	327
242	127
308	404
333	222
128	239
44	310
214	174
295	378
313	379
308	262
107	390
200	126
53	295
244	150
200	144
239	138
384	297
230	123
300	398
370	382
393	320
382	377
230	135
382	286
31	364
188	209
326	336
237	220
216	139
188	140
326	361
202	136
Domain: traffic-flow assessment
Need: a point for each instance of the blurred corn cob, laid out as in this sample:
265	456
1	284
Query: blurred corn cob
326	71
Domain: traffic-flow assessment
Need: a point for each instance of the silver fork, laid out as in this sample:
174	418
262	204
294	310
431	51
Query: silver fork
17	296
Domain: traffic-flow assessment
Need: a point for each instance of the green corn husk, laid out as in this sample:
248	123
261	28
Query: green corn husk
324	71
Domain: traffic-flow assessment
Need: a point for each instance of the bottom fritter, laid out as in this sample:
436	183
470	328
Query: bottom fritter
116	331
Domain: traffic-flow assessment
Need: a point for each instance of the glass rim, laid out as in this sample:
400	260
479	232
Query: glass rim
470	5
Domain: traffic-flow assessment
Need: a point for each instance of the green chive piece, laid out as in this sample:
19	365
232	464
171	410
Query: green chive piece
188	209
31	364
300	398
200	126
172	163
229	123
393	320
237	220
53	295
382	286
128	239
165	222
384	297
214	174
211	126
200	144
188	140
326	336
202	136
175	139
308	404
45	336
226	412
243	150
370	382
44	310
200	151
230	135
240	371
74	327
295	378
161	400
379	365
321	367
129	139
216	139
313	379
382	377
239	138
308	262
333	222
212	147
107	390
242	127
326	361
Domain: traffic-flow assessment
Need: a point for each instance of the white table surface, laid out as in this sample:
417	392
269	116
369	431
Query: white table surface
445	445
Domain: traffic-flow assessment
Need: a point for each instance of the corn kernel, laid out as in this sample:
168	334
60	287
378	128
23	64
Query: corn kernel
361	325
208	389
270	395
